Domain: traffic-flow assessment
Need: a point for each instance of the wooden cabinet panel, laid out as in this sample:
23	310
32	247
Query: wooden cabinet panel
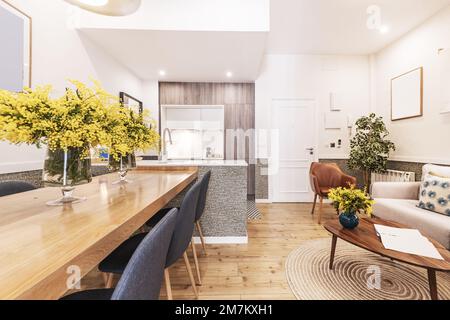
239	102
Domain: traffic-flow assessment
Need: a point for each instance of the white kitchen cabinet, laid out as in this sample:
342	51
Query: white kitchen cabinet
197	131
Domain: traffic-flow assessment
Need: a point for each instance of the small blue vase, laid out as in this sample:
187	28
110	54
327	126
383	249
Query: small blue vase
349	220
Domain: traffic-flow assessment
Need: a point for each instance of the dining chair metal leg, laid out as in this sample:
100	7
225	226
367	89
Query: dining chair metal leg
109	280
168	285
105	278
314	204
197	266
202	238
191	276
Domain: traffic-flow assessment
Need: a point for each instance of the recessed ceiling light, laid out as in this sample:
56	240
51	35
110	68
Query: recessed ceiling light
114	8
229	74
94	3
162	73
384	29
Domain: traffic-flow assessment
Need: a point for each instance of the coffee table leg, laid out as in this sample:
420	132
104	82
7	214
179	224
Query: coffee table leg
333	251
433	284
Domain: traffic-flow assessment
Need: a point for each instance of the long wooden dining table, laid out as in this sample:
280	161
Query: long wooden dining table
45	250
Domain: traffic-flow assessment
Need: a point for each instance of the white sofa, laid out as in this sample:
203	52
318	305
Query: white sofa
397	201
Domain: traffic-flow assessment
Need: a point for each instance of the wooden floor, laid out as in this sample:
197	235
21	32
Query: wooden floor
252	271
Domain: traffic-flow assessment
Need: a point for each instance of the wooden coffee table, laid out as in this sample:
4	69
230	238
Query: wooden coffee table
365	237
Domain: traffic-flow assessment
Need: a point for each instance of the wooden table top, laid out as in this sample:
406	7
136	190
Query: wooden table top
41	247
365	236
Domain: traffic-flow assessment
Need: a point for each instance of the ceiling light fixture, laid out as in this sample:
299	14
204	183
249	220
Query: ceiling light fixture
384	29
108	7
94	3
229	74
162	73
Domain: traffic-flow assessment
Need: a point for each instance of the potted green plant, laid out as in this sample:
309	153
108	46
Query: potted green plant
348	202
370	147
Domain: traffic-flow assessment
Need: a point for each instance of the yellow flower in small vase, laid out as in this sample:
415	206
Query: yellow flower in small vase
349	202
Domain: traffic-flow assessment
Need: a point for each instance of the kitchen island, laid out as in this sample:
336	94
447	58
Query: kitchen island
225	216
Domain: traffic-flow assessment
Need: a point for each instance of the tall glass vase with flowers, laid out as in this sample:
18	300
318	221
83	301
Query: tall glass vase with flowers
69	126
129	132
348	203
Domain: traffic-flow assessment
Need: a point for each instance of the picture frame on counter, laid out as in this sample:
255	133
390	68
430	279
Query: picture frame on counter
130	102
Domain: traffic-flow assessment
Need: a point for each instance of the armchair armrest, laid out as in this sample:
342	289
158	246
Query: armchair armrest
314	184
396	190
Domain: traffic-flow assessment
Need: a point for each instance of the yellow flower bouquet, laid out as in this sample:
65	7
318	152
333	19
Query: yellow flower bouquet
134	133
348	202
83	118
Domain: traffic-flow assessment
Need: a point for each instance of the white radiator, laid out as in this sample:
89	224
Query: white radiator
394	176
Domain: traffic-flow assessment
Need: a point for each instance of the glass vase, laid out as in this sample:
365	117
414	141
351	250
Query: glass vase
66	169
122	166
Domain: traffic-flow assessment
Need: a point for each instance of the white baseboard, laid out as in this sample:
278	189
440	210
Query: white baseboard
263	201
223	240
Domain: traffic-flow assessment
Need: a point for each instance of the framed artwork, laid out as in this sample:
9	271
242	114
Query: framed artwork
407	95
15	53
132	103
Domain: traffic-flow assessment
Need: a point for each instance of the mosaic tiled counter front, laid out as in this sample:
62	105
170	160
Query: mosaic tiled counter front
225	216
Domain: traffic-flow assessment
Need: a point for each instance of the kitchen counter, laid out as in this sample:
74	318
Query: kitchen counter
225	217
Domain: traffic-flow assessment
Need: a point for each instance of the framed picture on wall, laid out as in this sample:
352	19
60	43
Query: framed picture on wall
407	95
134	104
15	53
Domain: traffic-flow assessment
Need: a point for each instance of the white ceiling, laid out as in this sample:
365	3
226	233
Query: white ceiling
184	55
339	26
297	27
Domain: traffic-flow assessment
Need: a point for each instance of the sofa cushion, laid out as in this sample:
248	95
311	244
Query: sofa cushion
430	224
441	171
435	194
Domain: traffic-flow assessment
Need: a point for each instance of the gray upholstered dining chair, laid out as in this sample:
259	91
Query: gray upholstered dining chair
204	182
115	263
143	275
201	206
12	187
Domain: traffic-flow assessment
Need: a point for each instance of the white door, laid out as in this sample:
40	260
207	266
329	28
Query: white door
294	122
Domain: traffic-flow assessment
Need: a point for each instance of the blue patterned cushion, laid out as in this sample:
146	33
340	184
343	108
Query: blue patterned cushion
435	194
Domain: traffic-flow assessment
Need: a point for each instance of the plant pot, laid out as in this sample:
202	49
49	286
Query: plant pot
349	220
78	169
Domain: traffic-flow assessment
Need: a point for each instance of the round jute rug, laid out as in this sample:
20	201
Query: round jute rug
357	275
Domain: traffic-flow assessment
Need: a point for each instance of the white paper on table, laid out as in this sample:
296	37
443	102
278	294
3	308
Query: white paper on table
408	241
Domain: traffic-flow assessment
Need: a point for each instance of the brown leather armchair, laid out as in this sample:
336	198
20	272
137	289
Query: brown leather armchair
326	176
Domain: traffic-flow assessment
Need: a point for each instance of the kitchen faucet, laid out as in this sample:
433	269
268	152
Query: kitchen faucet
164	155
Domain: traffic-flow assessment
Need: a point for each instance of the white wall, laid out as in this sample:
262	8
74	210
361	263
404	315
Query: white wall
315	77
59	53
424	139
150	96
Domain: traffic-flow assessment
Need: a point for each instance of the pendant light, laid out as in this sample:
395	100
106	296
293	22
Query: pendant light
108	7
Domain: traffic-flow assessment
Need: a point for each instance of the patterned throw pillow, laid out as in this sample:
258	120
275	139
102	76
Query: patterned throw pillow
435	194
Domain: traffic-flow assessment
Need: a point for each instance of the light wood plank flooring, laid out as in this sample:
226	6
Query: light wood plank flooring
252	271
